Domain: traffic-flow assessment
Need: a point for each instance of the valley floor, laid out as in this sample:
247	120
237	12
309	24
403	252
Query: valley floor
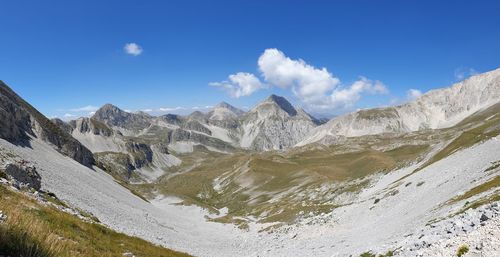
390	215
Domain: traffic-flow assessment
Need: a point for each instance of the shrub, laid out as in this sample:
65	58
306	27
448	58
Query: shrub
3	174
462	250
368	254
387	254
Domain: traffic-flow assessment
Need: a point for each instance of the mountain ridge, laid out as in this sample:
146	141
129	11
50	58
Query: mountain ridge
19	121
438	108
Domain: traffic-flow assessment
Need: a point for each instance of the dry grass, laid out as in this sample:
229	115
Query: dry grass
32	229
276	183
254	181
21	236
488	185
475	129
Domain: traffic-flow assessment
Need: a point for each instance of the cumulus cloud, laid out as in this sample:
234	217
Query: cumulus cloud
133	49
412	94
347	97
69	115
316	88
88	108
307	82
240	84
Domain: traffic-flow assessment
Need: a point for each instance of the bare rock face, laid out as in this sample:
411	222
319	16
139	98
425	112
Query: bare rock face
141	154
24	173
19	120
196	126
115	117
275	124
440	108
90	125
66	127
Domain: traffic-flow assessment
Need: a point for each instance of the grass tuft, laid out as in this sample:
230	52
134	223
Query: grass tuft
32	229
463	249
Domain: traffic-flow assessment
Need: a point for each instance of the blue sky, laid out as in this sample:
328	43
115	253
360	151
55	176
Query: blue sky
62	56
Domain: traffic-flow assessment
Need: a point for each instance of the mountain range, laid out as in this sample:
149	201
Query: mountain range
402	180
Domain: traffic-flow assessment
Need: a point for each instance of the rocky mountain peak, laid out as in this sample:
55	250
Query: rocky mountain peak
223	105
279	102
108	110
196	115
114	116
224	111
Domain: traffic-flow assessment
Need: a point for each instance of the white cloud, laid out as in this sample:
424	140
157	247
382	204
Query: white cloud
168	109
147	110
240	84
132	49
91	113
347	97
88	108
463	73
69	115
308	83
412	94
316	88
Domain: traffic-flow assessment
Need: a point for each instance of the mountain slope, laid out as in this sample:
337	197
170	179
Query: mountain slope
115	117
224	111
368	193
96	136
130	159
436	109
19	121
274	124
43	226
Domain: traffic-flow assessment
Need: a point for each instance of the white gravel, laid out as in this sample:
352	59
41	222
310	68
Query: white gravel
352	229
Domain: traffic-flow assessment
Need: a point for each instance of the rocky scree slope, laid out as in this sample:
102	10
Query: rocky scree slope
19	121
128	158
380	213
366	224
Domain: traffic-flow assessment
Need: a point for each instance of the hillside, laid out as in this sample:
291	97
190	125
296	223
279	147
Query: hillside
231	183
19	121
439	108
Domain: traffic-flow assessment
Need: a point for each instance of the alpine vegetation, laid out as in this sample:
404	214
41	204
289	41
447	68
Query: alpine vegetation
170	128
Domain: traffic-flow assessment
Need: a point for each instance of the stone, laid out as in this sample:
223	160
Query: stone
483	218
